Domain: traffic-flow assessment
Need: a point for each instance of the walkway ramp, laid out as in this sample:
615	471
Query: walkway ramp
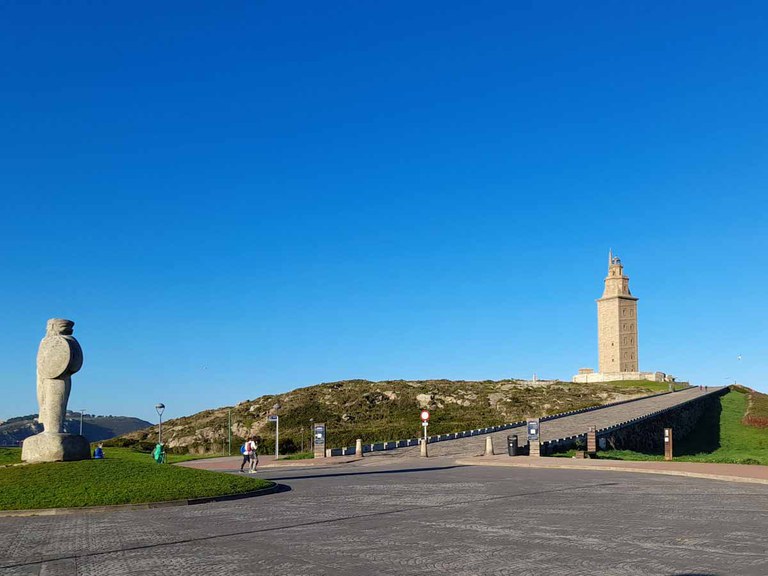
561	427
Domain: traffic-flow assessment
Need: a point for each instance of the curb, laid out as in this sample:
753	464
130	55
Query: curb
335	460
146	506
619	468
303	463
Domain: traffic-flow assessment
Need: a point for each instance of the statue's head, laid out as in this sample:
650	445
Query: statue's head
59	326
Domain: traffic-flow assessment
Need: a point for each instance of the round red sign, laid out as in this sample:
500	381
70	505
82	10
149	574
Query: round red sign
424	415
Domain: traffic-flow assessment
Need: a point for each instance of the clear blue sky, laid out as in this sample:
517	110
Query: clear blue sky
239	198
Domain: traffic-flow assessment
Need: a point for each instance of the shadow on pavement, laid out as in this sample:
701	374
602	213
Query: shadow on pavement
339	474
289	526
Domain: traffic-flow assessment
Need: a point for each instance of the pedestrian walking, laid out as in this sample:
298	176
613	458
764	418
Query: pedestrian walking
254	455
246	456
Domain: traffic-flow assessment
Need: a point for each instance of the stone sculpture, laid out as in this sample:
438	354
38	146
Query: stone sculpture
58	357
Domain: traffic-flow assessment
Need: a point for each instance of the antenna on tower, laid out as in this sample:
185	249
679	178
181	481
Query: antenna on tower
610	257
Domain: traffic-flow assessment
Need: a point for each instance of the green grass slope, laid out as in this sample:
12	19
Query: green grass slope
721	437
387	410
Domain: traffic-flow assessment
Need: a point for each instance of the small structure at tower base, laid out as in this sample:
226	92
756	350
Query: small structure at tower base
587	375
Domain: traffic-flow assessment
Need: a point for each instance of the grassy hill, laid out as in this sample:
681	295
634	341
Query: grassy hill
387	410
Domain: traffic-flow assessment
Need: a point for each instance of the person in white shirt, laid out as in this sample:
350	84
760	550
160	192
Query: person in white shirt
253	446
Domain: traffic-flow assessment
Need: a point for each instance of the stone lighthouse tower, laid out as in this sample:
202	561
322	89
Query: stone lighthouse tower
617	322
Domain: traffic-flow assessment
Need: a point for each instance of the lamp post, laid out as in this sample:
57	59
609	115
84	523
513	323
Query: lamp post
312	435
229	443
275	408
160	409
81	420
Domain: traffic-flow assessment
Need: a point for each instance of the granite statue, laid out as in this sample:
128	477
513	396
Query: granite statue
58	358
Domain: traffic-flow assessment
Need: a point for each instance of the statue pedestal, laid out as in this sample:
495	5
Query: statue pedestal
54	447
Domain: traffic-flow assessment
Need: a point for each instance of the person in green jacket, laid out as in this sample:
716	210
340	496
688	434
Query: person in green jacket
158	454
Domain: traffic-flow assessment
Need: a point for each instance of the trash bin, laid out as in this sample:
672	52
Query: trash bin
512	445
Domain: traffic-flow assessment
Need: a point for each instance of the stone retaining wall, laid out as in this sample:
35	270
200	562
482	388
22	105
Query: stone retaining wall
645	434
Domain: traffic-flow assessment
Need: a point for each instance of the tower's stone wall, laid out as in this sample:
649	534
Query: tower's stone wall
617	323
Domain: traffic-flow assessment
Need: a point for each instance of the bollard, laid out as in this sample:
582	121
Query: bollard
591	440
423	443
359	448
667	443
488	446
534	448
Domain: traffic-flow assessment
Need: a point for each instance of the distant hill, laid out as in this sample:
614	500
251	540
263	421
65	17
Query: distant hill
388	410
95	428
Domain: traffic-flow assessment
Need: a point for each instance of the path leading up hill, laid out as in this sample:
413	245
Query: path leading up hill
558	428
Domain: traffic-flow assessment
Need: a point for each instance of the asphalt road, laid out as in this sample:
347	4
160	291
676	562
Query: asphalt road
417	517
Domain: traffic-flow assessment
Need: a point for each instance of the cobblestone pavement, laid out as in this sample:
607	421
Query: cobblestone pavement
554	429
417	517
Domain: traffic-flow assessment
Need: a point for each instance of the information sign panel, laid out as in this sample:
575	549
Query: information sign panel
318	433
533	429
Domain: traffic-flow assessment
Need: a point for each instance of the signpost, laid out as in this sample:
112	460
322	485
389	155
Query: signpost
424	424
667	443
318	435
276	419
533	437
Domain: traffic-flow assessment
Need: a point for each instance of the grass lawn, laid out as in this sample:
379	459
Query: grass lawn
732	443
646	385
123	477
131	455
13	456
10	455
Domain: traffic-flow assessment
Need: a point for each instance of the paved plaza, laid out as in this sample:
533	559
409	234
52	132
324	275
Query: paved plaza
417	517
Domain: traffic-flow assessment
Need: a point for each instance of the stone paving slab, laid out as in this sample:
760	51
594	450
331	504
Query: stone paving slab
728	472
417	517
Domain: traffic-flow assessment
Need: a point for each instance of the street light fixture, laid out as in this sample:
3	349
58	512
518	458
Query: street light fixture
275	408
160	409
